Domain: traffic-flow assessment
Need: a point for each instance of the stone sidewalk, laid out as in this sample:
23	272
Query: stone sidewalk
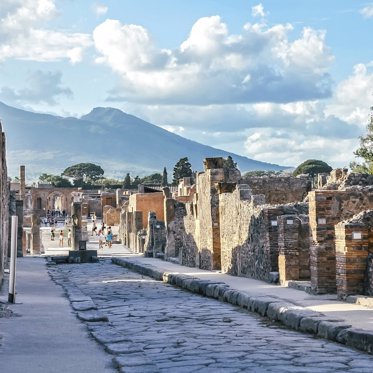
40	333
322	315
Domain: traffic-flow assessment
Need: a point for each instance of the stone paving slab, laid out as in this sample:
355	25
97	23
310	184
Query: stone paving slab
167	329
275	307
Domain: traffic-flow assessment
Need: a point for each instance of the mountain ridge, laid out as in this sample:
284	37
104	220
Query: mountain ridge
118	141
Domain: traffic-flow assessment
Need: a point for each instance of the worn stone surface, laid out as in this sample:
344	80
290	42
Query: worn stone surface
83	306
92	316
178	331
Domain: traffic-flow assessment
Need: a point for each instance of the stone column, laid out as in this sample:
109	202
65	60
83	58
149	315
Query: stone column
35	234
78	229
19	213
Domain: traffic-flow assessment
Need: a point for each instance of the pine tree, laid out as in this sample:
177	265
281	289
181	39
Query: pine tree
164	177
365	151
127	181
182	169
229	163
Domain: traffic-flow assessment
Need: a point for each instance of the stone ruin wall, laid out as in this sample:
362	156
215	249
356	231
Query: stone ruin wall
249	238
131	230
225	218
4	206
280	189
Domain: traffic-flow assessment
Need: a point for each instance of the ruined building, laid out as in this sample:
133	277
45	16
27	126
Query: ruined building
270	228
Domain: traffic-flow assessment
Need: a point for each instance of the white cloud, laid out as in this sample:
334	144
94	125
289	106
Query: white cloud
22	35
213	66
100	9
291	149
258	11
45	87
367	11
353	96
17	15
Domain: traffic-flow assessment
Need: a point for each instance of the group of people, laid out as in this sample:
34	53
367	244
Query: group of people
105	236
61	237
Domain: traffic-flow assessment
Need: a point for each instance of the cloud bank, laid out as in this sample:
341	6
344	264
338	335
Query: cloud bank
213	66
22	37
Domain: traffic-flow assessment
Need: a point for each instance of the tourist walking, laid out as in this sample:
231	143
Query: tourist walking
61	238
109	237
69	238
52	234
101	239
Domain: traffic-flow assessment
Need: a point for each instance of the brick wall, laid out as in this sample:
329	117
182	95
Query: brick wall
327	208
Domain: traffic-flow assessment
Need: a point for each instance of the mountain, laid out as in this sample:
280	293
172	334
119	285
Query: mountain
117	141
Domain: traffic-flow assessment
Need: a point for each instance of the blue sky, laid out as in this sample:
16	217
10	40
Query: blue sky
278	81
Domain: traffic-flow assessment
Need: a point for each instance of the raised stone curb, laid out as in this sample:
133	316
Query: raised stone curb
140	268
276	309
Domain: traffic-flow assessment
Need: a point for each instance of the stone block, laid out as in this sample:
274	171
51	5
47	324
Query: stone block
310	324
357	338
92	316
331	329
243	299
260	304
276	310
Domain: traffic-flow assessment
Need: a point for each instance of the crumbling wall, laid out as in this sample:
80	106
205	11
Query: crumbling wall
181	242
4	206
111	215
280	189
249	233
155	241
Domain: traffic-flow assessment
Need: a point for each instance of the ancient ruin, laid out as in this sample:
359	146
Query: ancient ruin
4	206
275	228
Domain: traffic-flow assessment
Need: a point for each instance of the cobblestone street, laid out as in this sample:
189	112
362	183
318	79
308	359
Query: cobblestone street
149	326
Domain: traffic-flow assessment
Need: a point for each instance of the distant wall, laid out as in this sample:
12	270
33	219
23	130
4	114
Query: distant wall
279	189
147	202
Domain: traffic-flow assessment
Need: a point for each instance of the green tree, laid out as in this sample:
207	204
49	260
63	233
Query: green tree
55	180
164	177
127	181
229	163
312	167
136	182
365	151
152	179
182	169
84	171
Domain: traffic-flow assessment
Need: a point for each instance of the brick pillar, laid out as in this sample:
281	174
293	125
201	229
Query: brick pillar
22	178
352	249
324	213
288	238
